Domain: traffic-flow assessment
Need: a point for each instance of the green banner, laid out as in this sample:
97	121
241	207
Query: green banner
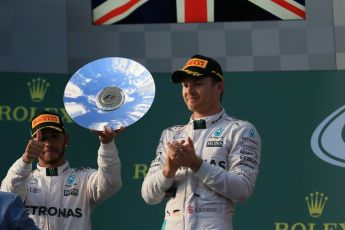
300	116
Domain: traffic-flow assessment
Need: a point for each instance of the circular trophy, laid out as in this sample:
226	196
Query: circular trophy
110	92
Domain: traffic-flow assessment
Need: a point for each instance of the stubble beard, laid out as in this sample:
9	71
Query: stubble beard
53	160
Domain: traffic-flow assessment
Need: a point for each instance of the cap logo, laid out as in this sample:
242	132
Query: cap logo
196	62
45	118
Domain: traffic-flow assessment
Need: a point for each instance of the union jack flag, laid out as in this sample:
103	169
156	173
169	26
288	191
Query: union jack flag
107	12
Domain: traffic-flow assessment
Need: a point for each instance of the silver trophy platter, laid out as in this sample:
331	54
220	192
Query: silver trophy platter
110	92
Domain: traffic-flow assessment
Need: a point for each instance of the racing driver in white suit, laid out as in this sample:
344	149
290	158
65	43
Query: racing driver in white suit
207	165
57	196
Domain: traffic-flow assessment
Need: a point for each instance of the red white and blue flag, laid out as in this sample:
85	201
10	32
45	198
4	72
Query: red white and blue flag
107	12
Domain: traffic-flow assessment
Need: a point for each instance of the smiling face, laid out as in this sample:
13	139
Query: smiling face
54	148
202	96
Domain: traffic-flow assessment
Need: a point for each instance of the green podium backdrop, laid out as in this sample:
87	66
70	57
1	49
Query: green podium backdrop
299	116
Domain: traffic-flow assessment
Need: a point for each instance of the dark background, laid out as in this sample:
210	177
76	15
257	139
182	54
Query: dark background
285	107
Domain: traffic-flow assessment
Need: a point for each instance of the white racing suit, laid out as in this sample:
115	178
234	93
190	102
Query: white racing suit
63	197
230	149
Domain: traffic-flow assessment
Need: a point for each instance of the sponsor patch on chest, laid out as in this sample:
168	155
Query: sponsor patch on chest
216	139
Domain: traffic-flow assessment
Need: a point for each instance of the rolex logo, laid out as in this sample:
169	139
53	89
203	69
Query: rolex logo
316	203
38	88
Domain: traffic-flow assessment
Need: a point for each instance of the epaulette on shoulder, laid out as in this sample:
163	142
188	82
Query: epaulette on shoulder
237	121
83	169
173	128
241	123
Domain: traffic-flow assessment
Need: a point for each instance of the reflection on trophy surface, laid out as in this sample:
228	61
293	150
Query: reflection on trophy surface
111	91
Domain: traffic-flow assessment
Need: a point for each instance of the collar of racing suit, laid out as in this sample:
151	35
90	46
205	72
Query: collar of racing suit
205	122
53	171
